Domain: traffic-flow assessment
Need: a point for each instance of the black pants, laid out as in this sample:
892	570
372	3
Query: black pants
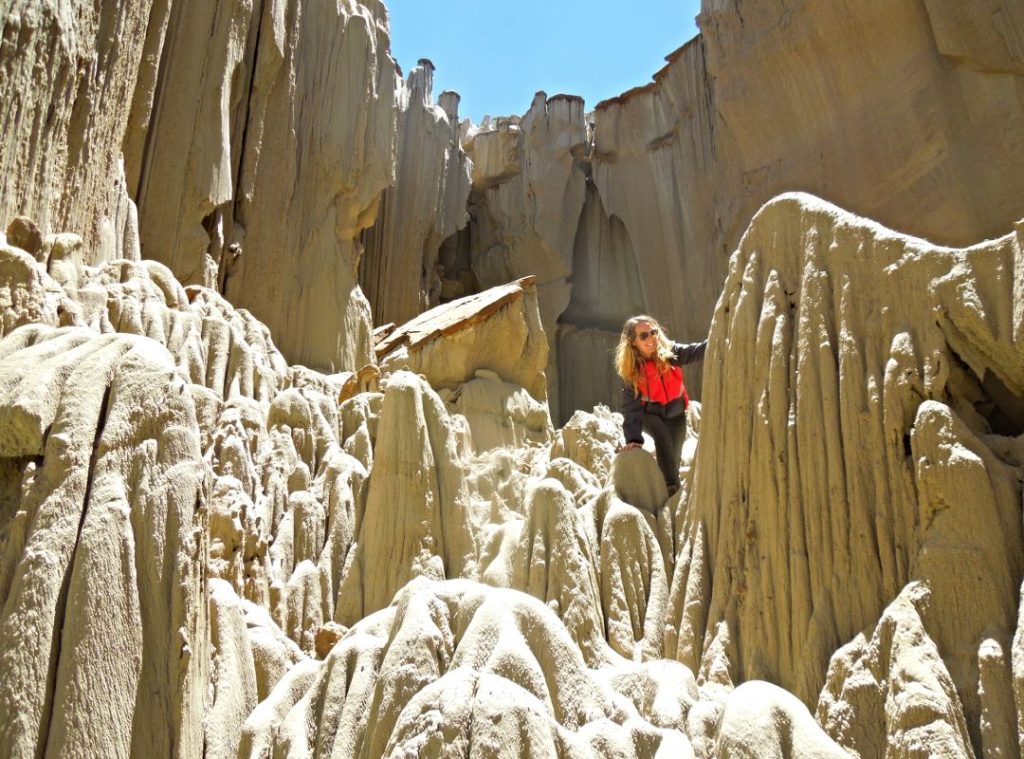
668	437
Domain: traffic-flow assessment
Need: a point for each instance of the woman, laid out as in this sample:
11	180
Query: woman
653	392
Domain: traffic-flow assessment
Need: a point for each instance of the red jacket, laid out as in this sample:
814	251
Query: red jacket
664	396
663	388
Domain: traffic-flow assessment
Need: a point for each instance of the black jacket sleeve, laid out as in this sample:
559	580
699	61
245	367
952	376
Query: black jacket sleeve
632	420
689	353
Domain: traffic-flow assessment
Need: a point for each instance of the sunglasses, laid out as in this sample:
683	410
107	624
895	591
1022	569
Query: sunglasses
645	335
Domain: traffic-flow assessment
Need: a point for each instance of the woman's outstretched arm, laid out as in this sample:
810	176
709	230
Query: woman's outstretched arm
688	353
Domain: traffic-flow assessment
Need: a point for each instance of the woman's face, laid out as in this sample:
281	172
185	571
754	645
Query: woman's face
645	346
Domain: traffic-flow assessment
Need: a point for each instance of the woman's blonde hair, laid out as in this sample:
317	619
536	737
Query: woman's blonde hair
629	363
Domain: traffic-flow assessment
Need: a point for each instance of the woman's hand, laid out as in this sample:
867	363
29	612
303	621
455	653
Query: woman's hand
627	446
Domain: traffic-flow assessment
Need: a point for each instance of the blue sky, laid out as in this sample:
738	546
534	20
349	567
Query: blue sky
497	53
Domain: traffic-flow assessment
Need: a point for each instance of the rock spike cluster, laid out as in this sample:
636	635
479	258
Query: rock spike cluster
281	561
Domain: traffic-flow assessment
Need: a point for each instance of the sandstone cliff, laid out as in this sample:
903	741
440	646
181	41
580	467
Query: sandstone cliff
302	138
909	113
401	271
235	124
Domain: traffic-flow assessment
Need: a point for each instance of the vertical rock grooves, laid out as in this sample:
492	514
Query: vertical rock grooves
147	108
206	545
399	269
59	612
849	528
829	354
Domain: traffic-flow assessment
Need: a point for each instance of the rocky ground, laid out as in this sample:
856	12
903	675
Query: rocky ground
206	551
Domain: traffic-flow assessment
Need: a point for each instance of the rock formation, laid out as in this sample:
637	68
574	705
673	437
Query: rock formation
278	167
737	116
401	272
872	441
527	195
272	160
67	77
295	562
654	189
208	548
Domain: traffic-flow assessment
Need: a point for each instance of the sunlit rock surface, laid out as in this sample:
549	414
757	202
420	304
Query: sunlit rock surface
217	108
770	99
67	77
208	548
861	431
528	191
498	330
278	560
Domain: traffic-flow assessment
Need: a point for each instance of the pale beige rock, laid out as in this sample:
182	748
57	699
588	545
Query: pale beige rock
27	293
497	481
459	666
660	207
686	616
528	208
186	178
400	271
215	345
145	93
1017	664
240	73
663	692
632	575
762	720
498	330
334	55
359	416
834	338
995	691
118	228
494	147
638	481
258	732
232	675
274	653
888	690
93	622
981	38
238	438
67	75
238	541
305	607
590	440
925	173
525	209
580	482
417	491
499	413
341	486
831	335
553	561
969	503
738	116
